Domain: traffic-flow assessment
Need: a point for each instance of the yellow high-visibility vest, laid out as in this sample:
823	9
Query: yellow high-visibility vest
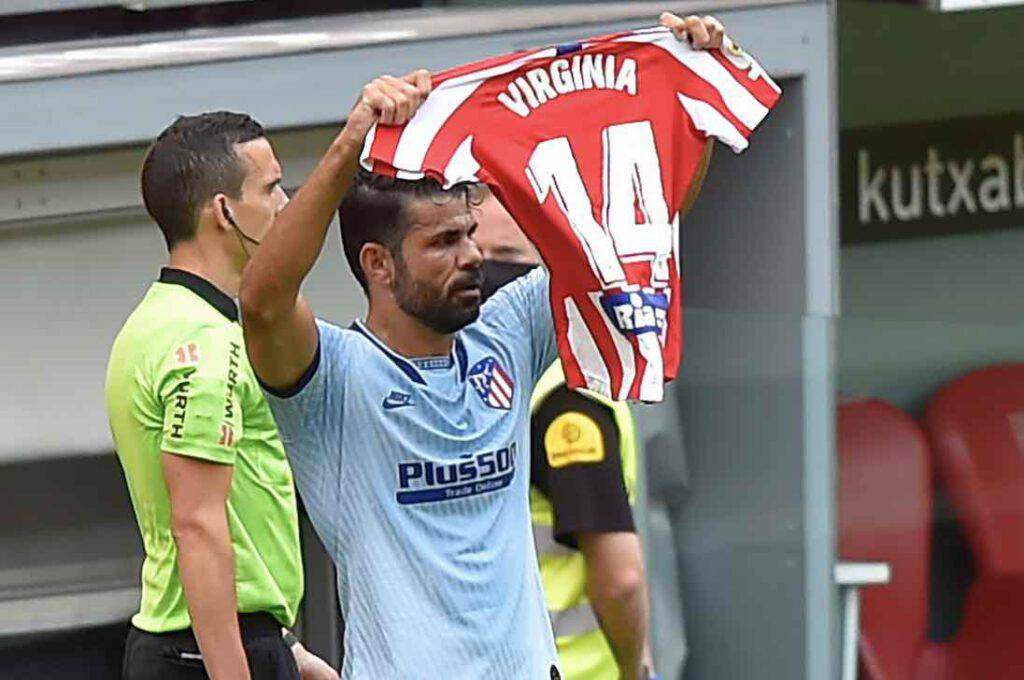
583	651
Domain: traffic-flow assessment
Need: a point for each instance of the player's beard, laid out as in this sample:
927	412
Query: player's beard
440	310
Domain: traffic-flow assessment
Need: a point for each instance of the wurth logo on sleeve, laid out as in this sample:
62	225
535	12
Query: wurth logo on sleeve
179	405
234	357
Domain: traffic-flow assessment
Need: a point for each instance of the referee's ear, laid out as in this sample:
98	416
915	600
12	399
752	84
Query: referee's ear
218	205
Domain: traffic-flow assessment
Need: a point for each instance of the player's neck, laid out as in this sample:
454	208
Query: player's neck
407	335
217	268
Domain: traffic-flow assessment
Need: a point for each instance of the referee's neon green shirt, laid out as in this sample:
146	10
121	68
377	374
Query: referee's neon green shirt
179	381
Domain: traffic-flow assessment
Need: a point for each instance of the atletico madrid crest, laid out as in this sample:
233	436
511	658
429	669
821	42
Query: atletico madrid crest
492	383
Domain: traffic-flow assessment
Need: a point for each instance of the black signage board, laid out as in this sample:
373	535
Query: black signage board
928	179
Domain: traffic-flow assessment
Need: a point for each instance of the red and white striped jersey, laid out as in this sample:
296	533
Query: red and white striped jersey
592	147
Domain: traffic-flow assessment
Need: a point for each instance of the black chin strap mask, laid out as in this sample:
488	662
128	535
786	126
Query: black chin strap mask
497	273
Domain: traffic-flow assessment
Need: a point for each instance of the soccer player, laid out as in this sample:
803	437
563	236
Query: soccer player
409	432
207	474
583	470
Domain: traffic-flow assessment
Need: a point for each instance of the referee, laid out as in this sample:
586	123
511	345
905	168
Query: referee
583	480
205	467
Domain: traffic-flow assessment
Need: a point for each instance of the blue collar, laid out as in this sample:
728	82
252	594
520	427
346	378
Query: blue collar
412	367
433	363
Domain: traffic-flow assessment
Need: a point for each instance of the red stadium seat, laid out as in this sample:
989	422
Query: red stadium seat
885	514
976	427
990	643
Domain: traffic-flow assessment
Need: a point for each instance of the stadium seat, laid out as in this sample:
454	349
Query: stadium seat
885	514
990	642
976	428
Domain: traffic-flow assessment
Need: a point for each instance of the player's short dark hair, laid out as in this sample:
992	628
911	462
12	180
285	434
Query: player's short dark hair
191	161
375	211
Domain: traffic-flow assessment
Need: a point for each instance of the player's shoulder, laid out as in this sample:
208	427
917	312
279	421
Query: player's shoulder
528	289
509	317
340	342
331	331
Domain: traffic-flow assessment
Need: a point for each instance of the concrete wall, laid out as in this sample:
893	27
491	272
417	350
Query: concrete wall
66	289
917	313
899	63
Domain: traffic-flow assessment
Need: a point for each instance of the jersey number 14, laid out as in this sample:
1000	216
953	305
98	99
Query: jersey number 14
632	184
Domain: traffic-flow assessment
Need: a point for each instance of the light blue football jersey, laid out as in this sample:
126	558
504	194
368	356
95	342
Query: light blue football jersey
415	473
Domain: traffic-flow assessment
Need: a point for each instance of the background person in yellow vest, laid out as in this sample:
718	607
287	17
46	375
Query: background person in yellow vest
583	480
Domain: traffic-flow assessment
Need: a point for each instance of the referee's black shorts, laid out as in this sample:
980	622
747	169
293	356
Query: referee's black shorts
170	656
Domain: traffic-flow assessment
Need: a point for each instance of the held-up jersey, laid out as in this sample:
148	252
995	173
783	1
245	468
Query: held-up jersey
416	474
592	147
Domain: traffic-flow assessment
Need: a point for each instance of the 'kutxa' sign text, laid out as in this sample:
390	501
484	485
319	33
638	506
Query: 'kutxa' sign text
932	178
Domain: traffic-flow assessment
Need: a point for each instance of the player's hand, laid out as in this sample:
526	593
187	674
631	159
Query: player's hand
389	101
311	666
704	33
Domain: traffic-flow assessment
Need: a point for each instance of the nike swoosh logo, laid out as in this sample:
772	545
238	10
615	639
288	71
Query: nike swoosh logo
391	403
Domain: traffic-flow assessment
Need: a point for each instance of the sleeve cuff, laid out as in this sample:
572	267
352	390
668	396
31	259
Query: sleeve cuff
304	379
206	453
569	537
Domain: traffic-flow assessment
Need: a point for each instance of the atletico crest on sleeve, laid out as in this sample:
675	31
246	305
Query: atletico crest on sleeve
492	383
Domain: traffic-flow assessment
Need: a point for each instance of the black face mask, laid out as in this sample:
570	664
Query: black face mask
497	273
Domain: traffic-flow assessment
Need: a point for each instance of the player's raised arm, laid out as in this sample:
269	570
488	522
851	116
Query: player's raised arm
280	331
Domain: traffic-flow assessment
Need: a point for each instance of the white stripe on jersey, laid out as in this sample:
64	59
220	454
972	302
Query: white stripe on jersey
739	99
675	243
498	399
624	348
463	167
502	385
585	350
420	132
652	383
711	122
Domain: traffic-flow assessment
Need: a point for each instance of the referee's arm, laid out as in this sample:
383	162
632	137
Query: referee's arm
202	425
206	560
592	513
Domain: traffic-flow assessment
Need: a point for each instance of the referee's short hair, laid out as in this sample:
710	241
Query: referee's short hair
191	161
374	211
